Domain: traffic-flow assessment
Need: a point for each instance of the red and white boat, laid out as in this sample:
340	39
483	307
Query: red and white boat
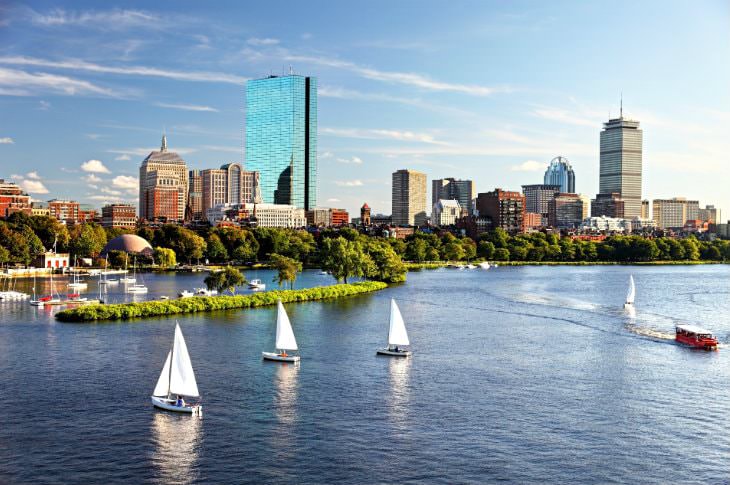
696	337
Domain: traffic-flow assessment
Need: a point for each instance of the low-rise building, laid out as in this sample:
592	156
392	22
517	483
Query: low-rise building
445	212
12	199
675	212
534	221
123	216
327	217
64	210
257	215
88	213
606	224
39	209
49	259
710	214
643	224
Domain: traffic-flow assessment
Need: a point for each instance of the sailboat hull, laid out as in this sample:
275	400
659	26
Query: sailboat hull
169	405
279	358
394	353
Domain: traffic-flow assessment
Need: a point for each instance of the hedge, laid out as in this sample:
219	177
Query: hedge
126	311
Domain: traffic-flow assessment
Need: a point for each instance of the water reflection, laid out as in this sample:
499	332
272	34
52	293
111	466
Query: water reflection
177	446
630	311
398	400
286	386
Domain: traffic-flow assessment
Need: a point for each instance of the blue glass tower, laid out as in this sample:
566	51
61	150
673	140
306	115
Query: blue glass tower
281	138
559	172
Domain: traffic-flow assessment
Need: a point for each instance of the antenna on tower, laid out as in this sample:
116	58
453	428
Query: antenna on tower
622	104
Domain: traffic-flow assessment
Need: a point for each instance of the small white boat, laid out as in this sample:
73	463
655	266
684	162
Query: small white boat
76	283
177	378
484	265
397	335
51	299
284	338
126	280
323	273
137	289
630	294
256	284
205	292
185	294
471	266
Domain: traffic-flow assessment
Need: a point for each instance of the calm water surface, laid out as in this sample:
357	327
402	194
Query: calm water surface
519	375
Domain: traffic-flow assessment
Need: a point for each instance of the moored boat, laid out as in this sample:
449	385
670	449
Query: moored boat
285	339
185	294
256	284
695	337
397	335
177	379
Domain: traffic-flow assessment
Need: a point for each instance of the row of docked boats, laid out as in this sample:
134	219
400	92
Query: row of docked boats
255	285
689	335
177	378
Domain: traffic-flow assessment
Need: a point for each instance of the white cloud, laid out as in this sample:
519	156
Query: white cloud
349	183
107	190
123	157
125	182
333	200
186	107
221	148
355	160
114	19
33	175
14	82
95	166
529	166
325	155
6	140
91	178
262	41
33	186
80	65
375	134
44	105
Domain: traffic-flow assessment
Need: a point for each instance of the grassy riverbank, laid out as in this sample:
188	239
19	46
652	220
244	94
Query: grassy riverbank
411	266
126	311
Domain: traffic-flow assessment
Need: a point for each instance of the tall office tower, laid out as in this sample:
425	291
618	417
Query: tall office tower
281	138
452	189
559	172
409	198
538	196
194	210
163	186
645	212
506	209
229	184
621	147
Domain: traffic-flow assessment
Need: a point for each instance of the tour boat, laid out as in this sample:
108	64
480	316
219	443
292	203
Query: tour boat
631	294
256	285
284	338
185	294
397	335
696	337
177	378
484	265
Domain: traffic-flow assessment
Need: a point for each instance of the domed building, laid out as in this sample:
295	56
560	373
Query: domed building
130	244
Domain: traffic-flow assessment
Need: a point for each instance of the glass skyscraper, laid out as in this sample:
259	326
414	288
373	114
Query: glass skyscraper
281	138
559	172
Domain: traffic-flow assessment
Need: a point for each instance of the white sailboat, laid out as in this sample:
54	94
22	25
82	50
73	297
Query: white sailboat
137	288
397	335
106	280
177	379
484	265
284	338
631	294
76	283
53	298
126	279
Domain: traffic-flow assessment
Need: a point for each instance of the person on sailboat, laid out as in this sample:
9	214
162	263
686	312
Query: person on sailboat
180	401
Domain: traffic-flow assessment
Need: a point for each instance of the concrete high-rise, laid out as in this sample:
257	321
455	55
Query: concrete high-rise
409	198
559	172
194	210
281	138
453	189
674	213
229	184
538	197
621	163
163	186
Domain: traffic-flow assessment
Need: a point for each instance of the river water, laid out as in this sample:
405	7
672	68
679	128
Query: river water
519	375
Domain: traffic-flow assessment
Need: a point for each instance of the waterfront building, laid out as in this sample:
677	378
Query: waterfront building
567	211
506	209
645	211
163	186
710	214
258	215
445	213
534	221
606	224
327	217
609	205
409	198
559	172
621	163
13	199
123	216
453	189
674	213
194	210
66	211
50	259
365	215
281	138
538	197
39	209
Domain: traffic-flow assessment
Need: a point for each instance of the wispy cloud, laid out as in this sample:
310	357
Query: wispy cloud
123	157
115	19
94	166
44	105
381	134
528	166
351	160
143	152
332	199
257	41
6	140
33	175
349	183
91	178
81	65
15	82
186	107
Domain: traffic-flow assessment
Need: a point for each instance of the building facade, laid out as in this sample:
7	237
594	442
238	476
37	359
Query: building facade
621	163
365	215
567	211
281	138
674	213
609	205
194	210
64	210
710	214
163	186
327	217
123	216
258	215
645	211
409	198
453	189
506	209
39	209
445	212
12	199
538	197
229	184
560	173
606	224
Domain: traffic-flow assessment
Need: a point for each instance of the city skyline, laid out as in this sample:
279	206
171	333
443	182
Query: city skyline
85	110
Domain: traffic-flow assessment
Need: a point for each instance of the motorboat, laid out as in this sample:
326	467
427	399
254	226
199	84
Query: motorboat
284	339
256	284
205	292
471	266
177	379
397	335
484	265
631	293
185	294
695	337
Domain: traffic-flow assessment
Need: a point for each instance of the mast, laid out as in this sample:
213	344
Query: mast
169	375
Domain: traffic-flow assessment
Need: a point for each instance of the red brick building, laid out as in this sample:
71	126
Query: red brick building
122	216
64	210
505	208
12	199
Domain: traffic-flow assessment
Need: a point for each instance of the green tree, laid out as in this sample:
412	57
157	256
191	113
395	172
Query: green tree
486	249
216	251
15	244
226	279
469	247
35	246
87	240
49	229
286	269
344	258
387	265
4	255
165	257
453	251
501	254
416	250
186	244
691	249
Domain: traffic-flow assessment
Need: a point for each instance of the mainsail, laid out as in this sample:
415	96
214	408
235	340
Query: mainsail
631	294
397	334
284	334
177	375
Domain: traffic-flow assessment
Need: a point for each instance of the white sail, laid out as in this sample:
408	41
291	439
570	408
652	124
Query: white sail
397	334
284	334
182	377
631	294
163	383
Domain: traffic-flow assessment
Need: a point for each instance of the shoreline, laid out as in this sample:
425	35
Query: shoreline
197	304
443	264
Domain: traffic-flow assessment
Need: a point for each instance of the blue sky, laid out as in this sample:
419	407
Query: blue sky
485	90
